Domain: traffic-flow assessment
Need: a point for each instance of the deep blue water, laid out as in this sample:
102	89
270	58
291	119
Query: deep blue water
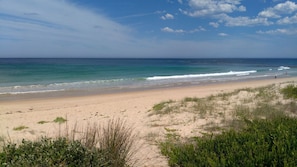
19	76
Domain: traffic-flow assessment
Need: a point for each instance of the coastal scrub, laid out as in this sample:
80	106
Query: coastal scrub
111	145
261	143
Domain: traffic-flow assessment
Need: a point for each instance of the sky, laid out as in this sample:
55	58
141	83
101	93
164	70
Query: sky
148	28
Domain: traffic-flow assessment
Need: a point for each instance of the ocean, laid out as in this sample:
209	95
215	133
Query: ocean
32	76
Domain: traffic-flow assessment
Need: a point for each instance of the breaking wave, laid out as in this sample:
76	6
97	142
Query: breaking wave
230	73
281	68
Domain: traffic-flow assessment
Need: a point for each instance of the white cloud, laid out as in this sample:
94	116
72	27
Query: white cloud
242	8
212	7
167	16
43	27
242	21
223	34
199	29
269	14
214	24
288	20
167	29
180	1
220	9
287	7
170	30
279	31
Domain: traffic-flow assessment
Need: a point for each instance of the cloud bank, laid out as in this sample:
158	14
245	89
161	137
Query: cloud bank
221	10
53	26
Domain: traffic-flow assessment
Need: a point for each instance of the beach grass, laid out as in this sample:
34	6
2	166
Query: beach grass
163	107
42	122
117	138
20	128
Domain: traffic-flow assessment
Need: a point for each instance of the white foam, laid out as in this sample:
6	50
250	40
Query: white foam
283	68
230	73
29	92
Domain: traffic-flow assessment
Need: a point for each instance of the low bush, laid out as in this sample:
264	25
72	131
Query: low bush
48	152
261	143
110	146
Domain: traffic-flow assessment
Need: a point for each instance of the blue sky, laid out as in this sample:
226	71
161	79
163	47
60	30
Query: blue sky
148	28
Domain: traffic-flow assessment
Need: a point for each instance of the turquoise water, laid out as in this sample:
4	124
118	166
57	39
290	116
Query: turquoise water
20	76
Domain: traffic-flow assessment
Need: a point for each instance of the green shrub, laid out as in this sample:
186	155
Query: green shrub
60	120
48	152
261	143
290	91
109	146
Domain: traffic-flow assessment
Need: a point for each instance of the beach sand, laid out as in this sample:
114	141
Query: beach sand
133	107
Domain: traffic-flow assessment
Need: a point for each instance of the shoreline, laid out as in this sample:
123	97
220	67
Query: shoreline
132	106
110	91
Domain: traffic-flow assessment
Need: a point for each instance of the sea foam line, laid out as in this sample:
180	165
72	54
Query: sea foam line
55	87
230	73
30	92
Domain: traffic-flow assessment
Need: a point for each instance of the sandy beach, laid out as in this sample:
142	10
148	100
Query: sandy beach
133	107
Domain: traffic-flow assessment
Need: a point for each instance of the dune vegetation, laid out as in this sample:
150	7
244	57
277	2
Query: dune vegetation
260	130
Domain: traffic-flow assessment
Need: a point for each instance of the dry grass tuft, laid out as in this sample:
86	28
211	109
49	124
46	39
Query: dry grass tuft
117	139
